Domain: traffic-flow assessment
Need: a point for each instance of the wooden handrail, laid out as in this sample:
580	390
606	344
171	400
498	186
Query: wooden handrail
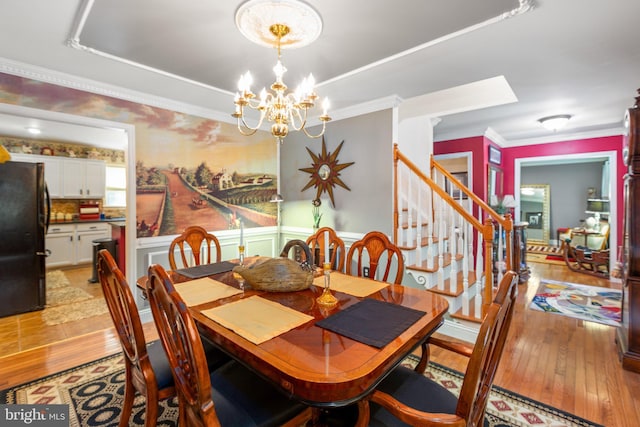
397	155
487	229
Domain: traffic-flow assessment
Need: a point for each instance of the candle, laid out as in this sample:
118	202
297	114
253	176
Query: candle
326	247
241	234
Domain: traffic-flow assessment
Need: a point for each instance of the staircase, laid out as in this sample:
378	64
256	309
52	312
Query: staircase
451	244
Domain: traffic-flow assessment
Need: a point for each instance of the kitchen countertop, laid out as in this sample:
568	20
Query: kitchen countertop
116	221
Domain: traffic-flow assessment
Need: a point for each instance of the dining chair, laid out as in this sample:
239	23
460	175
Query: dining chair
147	369
316	244
408	397
305	257
375	247
194	238
231	395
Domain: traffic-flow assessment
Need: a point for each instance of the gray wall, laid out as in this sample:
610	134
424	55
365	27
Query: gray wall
569	184
368	206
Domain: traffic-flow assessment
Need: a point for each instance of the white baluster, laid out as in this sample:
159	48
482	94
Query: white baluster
430	220
441	227
453	265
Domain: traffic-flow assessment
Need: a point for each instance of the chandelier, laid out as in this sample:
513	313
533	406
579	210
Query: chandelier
284	109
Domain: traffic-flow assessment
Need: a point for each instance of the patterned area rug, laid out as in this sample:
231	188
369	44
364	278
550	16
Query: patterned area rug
545	259
541	249
592	303
94	393
66	303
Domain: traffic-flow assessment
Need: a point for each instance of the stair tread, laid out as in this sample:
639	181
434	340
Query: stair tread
459	286
436	262
424	242
471	317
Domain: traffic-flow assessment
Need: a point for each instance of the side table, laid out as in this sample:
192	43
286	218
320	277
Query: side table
520	255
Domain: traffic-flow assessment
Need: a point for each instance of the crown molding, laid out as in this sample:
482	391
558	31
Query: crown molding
372	106
601	133
46	75
495	137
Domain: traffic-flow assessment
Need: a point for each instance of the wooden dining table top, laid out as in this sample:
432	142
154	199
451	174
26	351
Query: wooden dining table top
312	364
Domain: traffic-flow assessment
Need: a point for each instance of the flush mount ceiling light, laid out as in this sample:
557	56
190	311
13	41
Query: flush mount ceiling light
281	24
554	123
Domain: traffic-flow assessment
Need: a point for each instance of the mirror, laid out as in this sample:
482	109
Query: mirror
494	182
324	171
534	209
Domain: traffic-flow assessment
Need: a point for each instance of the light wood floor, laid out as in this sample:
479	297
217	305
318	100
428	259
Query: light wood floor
569	364
26	331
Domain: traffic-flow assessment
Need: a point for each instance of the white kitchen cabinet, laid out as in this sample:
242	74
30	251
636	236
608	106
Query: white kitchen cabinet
85	235
52	170
72	244
83	179
96	172
61	244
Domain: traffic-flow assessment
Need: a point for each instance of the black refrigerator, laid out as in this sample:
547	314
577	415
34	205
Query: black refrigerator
24	217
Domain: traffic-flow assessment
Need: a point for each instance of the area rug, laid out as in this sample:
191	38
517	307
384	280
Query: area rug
545	259
592	303
66	303
543	249
94	393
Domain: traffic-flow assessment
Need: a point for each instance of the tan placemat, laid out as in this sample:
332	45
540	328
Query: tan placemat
257	319
357	286
199	291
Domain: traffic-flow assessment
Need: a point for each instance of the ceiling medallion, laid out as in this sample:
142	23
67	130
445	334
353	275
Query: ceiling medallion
325	171
254	19
283	24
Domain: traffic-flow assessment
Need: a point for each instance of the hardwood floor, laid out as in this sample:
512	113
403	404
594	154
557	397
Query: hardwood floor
26	331
567	363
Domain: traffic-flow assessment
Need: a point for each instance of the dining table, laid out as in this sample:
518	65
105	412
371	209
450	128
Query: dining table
322	356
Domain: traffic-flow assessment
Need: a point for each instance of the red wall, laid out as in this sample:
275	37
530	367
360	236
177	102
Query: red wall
474	145
479	147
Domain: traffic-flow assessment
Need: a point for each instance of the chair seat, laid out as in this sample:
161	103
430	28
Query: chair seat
241	398
160	364
414	390
162	369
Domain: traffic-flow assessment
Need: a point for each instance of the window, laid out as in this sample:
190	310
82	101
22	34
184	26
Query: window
116	187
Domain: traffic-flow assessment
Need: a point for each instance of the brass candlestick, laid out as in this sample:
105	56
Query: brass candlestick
237	276
241	254
327	298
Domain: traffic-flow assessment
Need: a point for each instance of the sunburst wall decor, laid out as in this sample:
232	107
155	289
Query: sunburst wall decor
325	171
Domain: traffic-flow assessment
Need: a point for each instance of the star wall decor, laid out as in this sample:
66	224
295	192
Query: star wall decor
325	171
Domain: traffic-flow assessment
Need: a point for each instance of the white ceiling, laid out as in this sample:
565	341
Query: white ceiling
579	57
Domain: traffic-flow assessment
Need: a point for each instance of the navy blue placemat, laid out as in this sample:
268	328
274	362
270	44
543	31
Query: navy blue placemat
372	322
205	270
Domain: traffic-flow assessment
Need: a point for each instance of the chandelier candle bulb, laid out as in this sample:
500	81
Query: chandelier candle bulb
325	106
241	234
285	110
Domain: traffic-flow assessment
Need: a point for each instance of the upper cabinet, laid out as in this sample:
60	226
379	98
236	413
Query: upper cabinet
70	178
52	170
83	179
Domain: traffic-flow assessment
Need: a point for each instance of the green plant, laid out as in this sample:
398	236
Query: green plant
315	210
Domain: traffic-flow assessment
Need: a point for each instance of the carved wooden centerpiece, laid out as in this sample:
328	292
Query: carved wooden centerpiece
276	275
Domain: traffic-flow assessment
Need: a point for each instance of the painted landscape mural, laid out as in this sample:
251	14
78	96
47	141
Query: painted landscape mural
189	170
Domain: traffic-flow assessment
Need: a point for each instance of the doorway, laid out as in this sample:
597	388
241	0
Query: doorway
89	131
609	179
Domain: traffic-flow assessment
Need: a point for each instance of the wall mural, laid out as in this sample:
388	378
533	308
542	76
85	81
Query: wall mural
189	170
